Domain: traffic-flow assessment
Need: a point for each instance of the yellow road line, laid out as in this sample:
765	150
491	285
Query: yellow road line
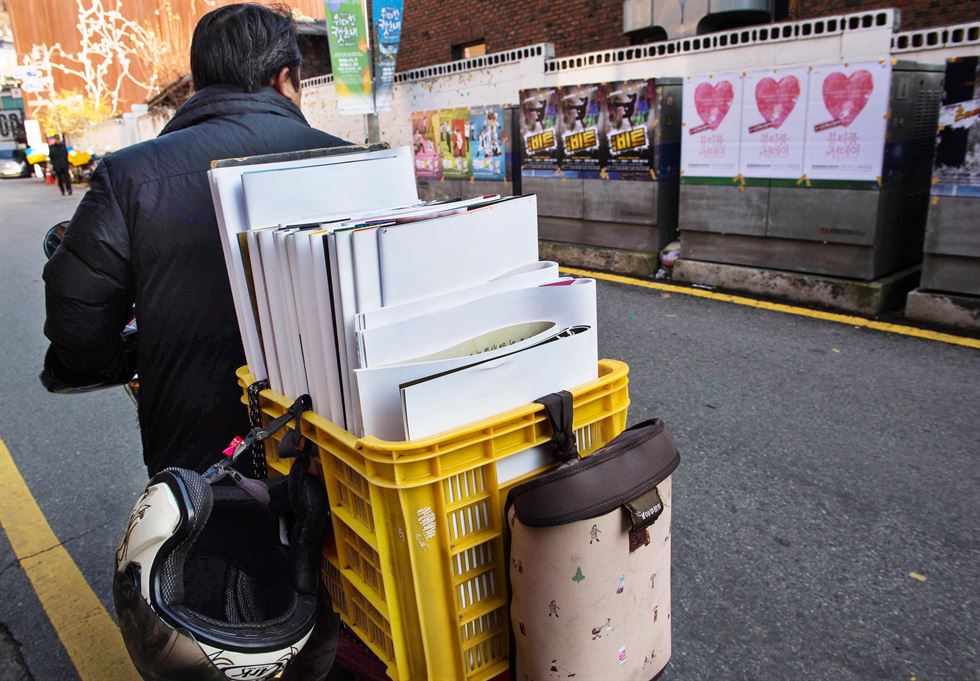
86	631
782	307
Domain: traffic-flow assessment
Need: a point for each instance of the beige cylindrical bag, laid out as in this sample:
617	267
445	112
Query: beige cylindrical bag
589	563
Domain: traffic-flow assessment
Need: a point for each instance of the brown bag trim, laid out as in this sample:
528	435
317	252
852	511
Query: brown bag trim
534	501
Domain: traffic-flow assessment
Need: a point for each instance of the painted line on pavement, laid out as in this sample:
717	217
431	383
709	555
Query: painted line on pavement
782	307
89	635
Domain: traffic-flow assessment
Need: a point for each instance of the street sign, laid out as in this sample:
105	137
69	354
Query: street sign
25	72
32	85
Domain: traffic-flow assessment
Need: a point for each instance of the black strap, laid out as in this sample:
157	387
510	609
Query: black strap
558	407
257	455
294	446
260	433
302	403
256	436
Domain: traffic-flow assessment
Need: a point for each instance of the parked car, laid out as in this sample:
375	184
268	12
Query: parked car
13	163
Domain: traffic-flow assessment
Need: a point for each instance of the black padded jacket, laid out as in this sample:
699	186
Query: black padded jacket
146	233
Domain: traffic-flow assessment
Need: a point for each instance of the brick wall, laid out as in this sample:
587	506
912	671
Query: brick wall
915	13
431	27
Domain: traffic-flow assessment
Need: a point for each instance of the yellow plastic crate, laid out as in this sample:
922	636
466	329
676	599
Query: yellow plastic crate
416	566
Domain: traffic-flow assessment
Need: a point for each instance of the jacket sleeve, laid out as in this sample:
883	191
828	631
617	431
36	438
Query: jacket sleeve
88	288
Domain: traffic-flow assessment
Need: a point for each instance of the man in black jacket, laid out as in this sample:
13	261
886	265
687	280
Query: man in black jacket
146	233
58	155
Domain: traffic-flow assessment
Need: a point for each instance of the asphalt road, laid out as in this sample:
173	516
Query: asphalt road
80	455
821	465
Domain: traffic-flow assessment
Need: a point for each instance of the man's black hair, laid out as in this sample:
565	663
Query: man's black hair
245	45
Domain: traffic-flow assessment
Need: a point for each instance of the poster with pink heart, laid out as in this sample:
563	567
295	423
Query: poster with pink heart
712	117
846	121
774	123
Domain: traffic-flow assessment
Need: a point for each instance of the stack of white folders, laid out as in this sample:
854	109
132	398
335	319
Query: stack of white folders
402	322
409	380
291	188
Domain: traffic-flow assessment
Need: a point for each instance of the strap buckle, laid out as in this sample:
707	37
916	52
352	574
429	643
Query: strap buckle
256	436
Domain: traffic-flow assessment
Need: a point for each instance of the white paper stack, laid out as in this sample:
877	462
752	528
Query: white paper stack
335	180
504	324
401	319
433	404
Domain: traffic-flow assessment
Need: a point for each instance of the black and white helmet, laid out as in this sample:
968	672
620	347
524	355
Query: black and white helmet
212	583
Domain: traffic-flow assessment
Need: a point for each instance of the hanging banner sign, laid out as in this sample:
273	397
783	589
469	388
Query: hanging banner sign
711	130
581	135
487	149
957	171
629	129
539	129
847	108
454	143
347	36
774	123
387	34
428	162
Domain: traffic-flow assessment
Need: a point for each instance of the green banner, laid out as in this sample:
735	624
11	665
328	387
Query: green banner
347	35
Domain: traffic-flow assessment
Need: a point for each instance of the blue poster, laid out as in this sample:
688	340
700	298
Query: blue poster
388	33
487	148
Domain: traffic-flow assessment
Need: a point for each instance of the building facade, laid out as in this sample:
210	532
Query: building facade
37	23
916	14
435	31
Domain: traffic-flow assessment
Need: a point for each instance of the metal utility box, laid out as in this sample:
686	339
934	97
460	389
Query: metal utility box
854	230
951	261
622	214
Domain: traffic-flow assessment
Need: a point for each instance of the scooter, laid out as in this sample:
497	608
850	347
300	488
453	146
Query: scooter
354	660
83	167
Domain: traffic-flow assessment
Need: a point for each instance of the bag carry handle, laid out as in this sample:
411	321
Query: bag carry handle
558	407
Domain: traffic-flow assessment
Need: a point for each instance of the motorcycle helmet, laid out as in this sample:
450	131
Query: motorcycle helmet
214	583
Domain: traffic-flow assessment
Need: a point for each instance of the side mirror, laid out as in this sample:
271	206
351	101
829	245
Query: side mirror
53	238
